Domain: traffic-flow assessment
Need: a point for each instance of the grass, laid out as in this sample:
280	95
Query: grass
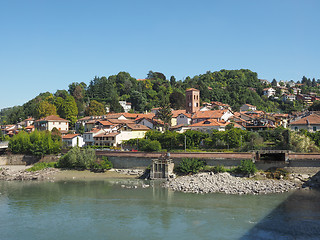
41	165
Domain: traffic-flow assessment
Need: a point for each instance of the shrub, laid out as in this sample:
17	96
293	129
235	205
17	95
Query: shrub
77	158
276	173
102	165
41	165
220	169
246	167
190	165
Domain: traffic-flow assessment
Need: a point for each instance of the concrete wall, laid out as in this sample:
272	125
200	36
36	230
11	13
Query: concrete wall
19	159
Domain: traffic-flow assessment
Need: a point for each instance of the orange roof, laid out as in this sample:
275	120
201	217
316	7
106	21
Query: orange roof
311	119
70	136
141	79
104	122
112	134
53	118
209	123
176	113
192	89
30	127
138	127
148	115
114	115
119	121
209	114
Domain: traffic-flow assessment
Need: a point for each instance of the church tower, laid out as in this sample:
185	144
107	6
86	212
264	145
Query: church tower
192	100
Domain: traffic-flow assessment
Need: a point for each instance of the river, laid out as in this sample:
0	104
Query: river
116	209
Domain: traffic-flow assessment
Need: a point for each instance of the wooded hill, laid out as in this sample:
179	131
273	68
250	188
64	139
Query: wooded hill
233	87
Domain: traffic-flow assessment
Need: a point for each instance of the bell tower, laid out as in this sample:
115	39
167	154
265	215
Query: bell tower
192	100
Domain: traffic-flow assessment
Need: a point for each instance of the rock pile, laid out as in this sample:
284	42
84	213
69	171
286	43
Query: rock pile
226	183
8	175
137	172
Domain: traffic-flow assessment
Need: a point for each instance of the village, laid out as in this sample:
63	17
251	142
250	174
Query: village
112	129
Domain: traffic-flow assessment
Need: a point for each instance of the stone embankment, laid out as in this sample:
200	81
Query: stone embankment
226	183
9	174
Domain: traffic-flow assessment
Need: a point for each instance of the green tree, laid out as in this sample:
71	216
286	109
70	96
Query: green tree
165	114
95	109
45	109
69	110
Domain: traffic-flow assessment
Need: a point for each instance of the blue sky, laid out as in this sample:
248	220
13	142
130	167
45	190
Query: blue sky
46	45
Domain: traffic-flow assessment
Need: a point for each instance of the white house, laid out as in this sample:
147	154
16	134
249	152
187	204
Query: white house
88	137
125	105
73	140
184	119
269	92
289	97
247	107
50	122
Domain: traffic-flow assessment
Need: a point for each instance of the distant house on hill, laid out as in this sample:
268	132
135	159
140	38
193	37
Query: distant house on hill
269	92
311	123
72	140
247	107
50	122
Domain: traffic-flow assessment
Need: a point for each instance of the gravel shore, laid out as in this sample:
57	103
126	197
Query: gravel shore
226	183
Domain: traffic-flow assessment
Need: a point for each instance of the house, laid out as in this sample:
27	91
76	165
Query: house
125	105
125	132
247	107
209	125
220	115
311	123
175	116
296	90
84	120
72	140
305	98
181	128
288	97
183	119
151	123
50	122
88	137
269	92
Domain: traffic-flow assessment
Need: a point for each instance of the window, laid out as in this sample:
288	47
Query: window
314	129
296	128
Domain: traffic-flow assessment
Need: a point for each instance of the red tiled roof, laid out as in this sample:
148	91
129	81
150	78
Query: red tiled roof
104	122
192	89
209	122
70	136
138	127
112	134
176	113
53	118
311	119
209	114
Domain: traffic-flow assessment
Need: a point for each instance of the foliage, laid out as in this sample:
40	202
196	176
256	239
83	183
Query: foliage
246	167
45	109
95	109
146	145
191	165
101	165
277	173
42	165
302	143
165	114
77	158
38	143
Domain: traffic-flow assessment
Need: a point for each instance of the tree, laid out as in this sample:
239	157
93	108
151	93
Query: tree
95	109
172	81
177	100
274	83
69	110
165	114
45	109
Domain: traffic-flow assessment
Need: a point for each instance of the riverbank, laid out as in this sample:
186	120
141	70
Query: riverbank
229	184
20	173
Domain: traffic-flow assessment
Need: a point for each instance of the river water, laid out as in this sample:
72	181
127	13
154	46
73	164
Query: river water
116	209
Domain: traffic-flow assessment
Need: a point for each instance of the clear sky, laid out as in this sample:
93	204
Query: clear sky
46	45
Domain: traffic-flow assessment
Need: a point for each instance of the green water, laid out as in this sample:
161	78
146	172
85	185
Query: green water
107	210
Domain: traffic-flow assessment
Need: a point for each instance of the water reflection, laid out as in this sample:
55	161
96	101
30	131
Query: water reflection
298	217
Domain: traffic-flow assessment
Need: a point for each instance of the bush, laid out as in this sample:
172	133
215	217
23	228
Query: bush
276	173
220	169
246	167
42	165
190	165
102	165
77	158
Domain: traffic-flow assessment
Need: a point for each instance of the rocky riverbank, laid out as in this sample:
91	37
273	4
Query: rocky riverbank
226	183
20	174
